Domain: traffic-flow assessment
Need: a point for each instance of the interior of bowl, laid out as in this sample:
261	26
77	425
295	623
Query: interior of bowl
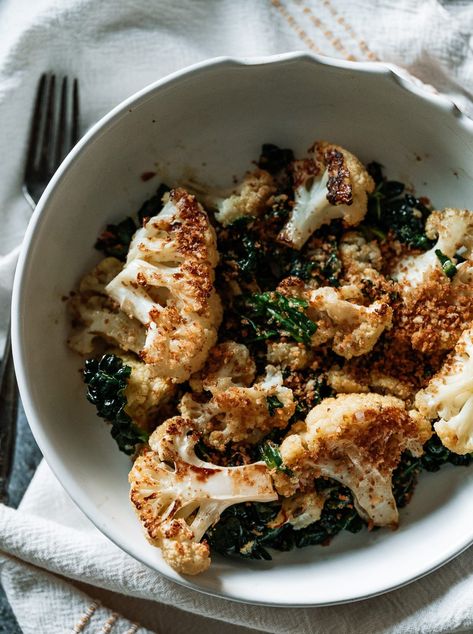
209	124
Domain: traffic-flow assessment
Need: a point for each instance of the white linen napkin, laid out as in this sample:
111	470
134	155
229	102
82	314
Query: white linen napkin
49	550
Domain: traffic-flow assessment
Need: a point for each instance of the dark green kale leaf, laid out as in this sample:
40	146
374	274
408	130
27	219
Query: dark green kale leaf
243	528
434	457
272	314
338	514
115	240
272	457
273	404
448	267
153	205
274	159
106	379
332	267
405	478
390	207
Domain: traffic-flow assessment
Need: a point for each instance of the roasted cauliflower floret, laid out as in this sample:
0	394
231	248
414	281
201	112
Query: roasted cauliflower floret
250	198
344	381
178	496
235	413
453	229
361	259
300	510
332	183
95	316
288	354
356	439
145	392
167	285
352	328
228	364
449	397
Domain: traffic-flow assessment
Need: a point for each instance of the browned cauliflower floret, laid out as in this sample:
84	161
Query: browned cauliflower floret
332	183
360	259
146	393
353	328
178	497
167	285
228	364
250	198
449	397
356	439
300	510
344	380
288	354
95	316
235	413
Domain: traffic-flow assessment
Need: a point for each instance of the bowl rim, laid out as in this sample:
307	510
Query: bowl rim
392	72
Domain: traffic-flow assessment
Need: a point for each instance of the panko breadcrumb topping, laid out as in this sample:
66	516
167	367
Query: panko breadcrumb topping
313	331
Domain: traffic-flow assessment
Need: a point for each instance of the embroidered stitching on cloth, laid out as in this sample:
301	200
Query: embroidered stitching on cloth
84	620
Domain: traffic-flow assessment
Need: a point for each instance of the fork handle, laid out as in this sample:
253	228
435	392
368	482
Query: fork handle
8	416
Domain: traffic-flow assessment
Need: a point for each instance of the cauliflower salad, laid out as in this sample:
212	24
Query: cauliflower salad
281	359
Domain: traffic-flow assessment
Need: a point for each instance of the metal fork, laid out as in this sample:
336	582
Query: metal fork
54	132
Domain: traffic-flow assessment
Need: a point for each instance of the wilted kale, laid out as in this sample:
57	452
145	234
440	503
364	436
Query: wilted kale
272	457
106	380
434	457
448	267
272	314
273	404
390	207
273	159
243	528
256	254
115	240
153	205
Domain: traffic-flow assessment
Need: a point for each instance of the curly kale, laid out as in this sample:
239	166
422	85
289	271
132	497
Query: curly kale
273	404
106	379
115	240
274	315
272	457
434	457
243	528
390	207
277	161
273	159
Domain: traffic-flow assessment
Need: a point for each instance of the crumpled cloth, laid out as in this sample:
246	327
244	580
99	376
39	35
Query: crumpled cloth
60	573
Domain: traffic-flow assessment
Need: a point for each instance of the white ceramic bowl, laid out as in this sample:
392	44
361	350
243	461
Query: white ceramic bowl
208	122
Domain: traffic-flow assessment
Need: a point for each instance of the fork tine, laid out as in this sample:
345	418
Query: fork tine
75	113
61	125
44	161
35	127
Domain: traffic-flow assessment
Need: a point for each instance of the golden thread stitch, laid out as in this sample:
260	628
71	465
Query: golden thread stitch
334	41
309	42
108	625
349	29
79	627
133	629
